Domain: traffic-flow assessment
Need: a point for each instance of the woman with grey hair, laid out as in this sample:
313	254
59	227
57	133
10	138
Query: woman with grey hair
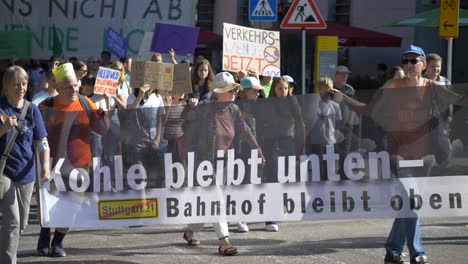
22	133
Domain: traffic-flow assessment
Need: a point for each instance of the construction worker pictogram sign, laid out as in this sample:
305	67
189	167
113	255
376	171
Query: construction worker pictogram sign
303	14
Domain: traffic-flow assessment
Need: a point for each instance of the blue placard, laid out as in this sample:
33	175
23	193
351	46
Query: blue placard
116	44
182	39
263	10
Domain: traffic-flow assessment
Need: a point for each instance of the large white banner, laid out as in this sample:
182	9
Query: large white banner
82	25
198	195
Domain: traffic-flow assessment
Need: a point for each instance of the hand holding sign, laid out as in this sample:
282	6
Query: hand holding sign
143	90
157	75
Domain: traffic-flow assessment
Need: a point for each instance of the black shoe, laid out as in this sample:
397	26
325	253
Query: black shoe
390	259
420	260
43	244
43	251
58	252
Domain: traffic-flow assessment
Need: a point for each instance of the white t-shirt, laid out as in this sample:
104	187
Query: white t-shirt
148	119
323	132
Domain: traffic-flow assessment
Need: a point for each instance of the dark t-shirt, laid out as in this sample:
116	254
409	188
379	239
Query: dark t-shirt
20	166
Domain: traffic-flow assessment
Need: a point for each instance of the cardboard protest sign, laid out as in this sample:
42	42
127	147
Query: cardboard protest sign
248	48
106	81
159	75
116	44
182	80
180	38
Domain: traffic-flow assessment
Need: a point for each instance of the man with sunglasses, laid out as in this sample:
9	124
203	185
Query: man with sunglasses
402	107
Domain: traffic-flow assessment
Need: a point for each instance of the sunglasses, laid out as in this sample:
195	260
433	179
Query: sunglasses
412	61
234	91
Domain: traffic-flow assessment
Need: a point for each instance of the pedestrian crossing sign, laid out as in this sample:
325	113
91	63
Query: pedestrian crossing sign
263	10
303	14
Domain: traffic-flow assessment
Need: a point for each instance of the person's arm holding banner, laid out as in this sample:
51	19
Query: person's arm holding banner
159	131
250	139
42	146
99	121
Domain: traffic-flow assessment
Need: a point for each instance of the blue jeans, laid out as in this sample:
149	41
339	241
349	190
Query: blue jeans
405	230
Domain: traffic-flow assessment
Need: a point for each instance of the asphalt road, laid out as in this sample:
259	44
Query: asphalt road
338	242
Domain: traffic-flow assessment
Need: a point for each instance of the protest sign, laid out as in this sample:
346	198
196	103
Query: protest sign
182	79
106	81
157	75
81	25
116	43
248	48
181	39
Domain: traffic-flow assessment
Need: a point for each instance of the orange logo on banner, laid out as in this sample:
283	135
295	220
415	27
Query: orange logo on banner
303	14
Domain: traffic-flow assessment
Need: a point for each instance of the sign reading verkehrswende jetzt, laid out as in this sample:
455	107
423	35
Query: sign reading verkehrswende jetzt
247	48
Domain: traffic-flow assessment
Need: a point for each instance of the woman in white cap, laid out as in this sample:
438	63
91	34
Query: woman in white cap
219	123
291	83
247	97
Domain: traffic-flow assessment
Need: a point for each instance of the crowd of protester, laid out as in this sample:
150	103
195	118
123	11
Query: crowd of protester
223	111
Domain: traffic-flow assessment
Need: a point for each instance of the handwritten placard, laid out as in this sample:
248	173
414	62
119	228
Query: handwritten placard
159	75
247	48
182	80
106	81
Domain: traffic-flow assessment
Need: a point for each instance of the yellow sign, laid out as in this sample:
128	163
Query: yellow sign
448	18
326	57
128	209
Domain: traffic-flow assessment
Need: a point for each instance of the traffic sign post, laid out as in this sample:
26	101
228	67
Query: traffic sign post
448	18
303	14
263	10
448	27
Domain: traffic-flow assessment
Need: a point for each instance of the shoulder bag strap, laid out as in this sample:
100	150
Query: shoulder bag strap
10	145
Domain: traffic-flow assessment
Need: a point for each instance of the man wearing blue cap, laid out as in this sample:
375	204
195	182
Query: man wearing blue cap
402	107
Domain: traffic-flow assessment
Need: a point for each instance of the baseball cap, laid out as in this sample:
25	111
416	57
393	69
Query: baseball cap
342	68
251	82
415	50
224	82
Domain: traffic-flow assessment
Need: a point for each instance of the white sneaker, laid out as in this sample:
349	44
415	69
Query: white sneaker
272	228
242	227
